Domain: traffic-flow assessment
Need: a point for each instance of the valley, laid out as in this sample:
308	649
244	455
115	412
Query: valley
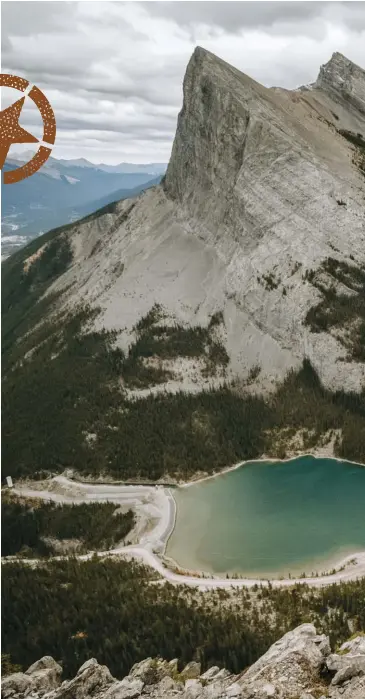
63	192
132	315
161	317
215	319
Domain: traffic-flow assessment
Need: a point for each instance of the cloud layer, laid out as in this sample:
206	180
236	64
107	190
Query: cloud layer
113	71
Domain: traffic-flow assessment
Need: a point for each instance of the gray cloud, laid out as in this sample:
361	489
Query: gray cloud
35	17
113	71
235	16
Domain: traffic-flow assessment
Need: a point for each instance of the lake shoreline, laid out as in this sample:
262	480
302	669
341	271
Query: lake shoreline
267	459
318	566
156	507
332	568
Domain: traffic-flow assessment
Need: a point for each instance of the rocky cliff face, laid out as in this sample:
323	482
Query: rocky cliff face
344	81
299	666
258	175
264	186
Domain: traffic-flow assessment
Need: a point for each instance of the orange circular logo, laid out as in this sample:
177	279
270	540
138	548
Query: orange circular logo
11	132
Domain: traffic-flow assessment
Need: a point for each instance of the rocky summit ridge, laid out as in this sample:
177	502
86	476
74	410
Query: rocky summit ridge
344	81
260	217
298	666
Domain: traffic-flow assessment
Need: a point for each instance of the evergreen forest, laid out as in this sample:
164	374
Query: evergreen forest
35	528
117	612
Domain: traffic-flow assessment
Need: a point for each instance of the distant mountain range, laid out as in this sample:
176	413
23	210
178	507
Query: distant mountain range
64	191
125	168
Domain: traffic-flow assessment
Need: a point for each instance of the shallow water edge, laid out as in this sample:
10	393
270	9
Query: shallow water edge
195	553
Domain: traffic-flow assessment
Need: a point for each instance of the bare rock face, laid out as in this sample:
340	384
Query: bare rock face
290	667
16	685
343	80
299	666
151	670
356	646
348	666
128	688
191	671
256	173
41	677
261	190
92	680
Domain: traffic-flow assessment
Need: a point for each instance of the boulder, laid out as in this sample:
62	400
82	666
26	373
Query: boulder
191	671
353	689
356	646
45	674
92	662
41	677
15	685
193	689
152	671
167	685
142	670
210	673
347	670
91	680
128	688
173	666
223	674
45	663
288	667
348	663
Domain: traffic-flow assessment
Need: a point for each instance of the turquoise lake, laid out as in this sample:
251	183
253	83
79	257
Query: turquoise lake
270	519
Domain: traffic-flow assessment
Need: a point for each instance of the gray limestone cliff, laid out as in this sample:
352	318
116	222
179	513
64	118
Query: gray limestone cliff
261	212
299	666
344	81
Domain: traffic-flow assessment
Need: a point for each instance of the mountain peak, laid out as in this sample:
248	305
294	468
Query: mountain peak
340	59
344	80
200	52
219	101
262	199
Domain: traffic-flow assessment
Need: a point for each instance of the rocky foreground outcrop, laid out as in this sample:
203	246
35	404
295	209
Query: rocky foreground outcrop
299	666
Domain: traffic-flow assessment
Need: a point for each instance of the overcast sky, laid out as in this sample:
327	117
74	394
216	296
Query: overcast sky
113	71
